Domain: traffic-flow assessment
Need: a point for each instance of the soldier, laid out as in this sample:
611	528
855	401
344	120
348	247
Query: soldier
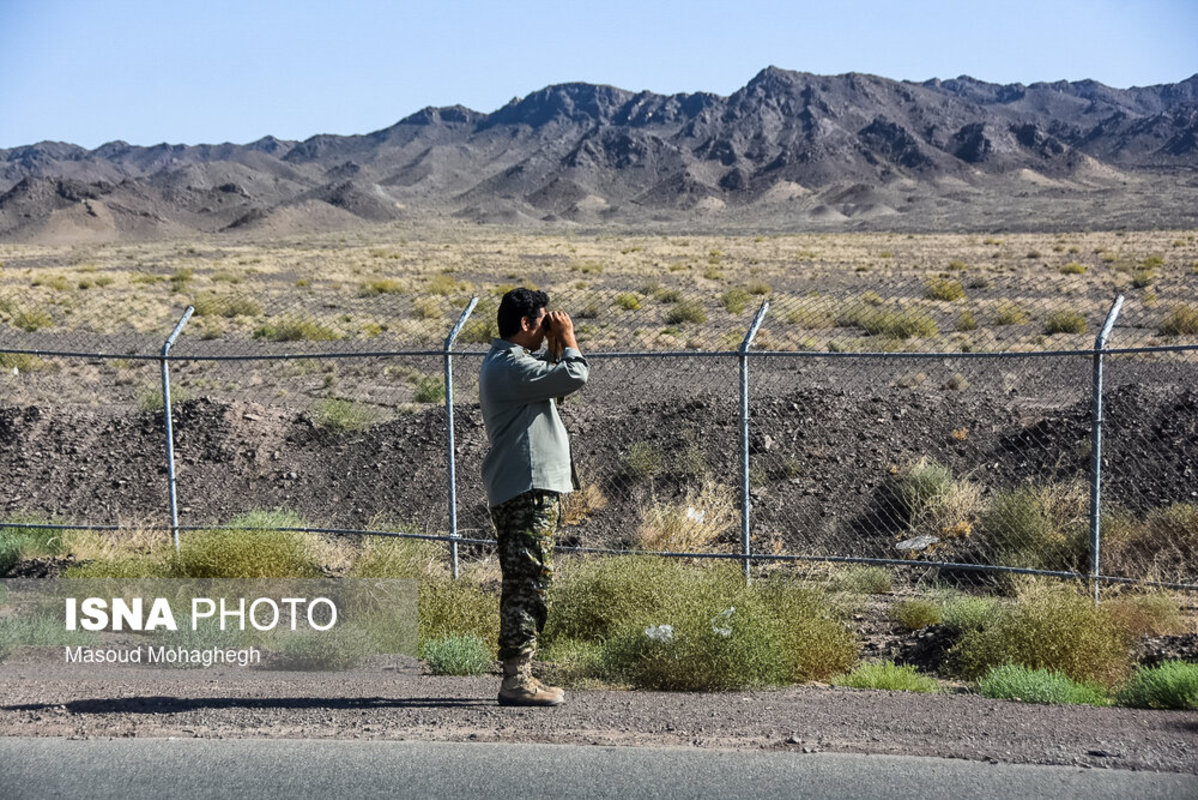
526	471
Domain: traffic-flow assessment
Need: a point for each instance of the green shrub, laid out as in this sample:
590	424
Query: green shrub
705	648
252	546
957	265
967	321
863	579
1050	627
1013	682
457	607
1181	321
686	311
457	654
1143	278
428	389
295	330
27	540
815	642
1073	268
573	663
479	330
150	398
968	613
758	287
22	362
922	485
591	599
945	289
31	319
341	416
627	301
886	675
644	460
338	649
735	300
916	614
1064	322
1173	684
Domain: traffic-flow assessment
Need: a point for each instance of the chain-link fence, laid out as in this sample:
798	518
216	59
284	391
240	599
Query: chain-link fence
943	424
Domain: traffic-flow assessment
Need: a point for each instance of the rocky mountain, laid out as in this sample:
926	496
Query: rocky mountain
788	151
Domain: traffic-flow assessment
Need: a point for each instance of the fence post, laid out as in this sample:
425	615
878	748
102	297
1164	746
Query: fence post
746	547
453	484
170	428
1096	445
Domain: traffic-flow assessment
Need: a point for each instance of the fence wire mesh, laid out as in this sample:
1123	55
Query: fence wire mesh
900	411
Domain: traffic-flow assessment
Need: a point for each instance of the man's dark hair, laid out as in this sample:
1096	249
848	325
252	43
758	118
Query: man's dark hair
515	306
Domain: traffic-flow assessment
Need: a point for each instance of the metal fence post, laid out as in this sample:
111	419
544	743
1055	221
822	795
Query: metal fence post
170	428
1100	344
453	485
746	547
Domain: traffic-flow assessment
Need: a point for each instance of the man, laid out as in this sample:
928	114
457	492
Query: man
526	471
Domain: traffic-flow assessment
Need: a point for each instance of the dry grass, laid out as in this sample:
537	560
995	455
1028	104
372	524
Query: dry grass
693	525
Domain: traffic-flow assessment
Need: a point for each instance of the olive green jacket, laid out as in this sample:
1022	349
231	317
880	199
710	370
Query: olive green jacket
529	445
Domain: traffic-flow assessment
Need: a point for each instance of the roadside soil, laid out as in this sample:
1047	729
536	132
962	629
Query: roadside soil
406	705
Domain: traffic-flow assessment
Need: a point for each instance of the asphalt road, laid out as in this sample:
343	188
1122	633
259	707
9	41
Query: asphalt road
131	769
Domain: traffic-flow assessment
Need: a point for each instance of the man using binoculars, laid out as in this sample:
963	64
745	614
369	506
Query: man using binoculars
526	471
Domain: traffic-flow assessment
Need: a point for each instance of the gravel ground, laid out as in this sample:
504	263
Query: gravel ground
226	703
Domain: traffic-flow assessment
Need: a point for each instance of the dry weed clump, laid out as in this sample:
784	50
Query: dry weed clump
1181	321
1039	527
254	545
693	525
1161	546
1053	627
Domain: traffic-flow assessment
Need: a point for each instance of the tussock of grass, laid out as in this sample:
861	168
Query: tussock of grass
1049	627
736	300
252	546
1155	614
384	557
27	541
693	525
1064	322
945	289
1181	321
295	330
1163	545
686	311
969	613
1010	313
904	324
863	579
1040	527
210	304
1013	682
1173	684
457	654
457	607
916	614
342	416
886	675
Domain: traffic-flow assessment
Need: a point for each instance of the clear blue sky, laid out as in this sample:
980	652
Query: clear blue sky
185	71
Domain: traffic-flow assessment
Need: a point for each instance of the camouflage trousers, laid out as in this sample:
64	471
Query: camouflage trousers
526	525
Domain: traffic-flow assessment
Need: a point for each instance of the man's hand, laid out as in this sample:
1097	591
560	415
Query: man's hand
561	333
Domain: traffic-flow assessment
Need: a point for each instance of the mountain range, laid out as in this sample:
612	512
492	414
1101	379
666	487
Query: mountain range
788	151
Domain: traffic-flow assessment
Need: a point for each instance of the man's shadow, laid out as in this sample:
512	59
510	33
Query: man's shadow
163	704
